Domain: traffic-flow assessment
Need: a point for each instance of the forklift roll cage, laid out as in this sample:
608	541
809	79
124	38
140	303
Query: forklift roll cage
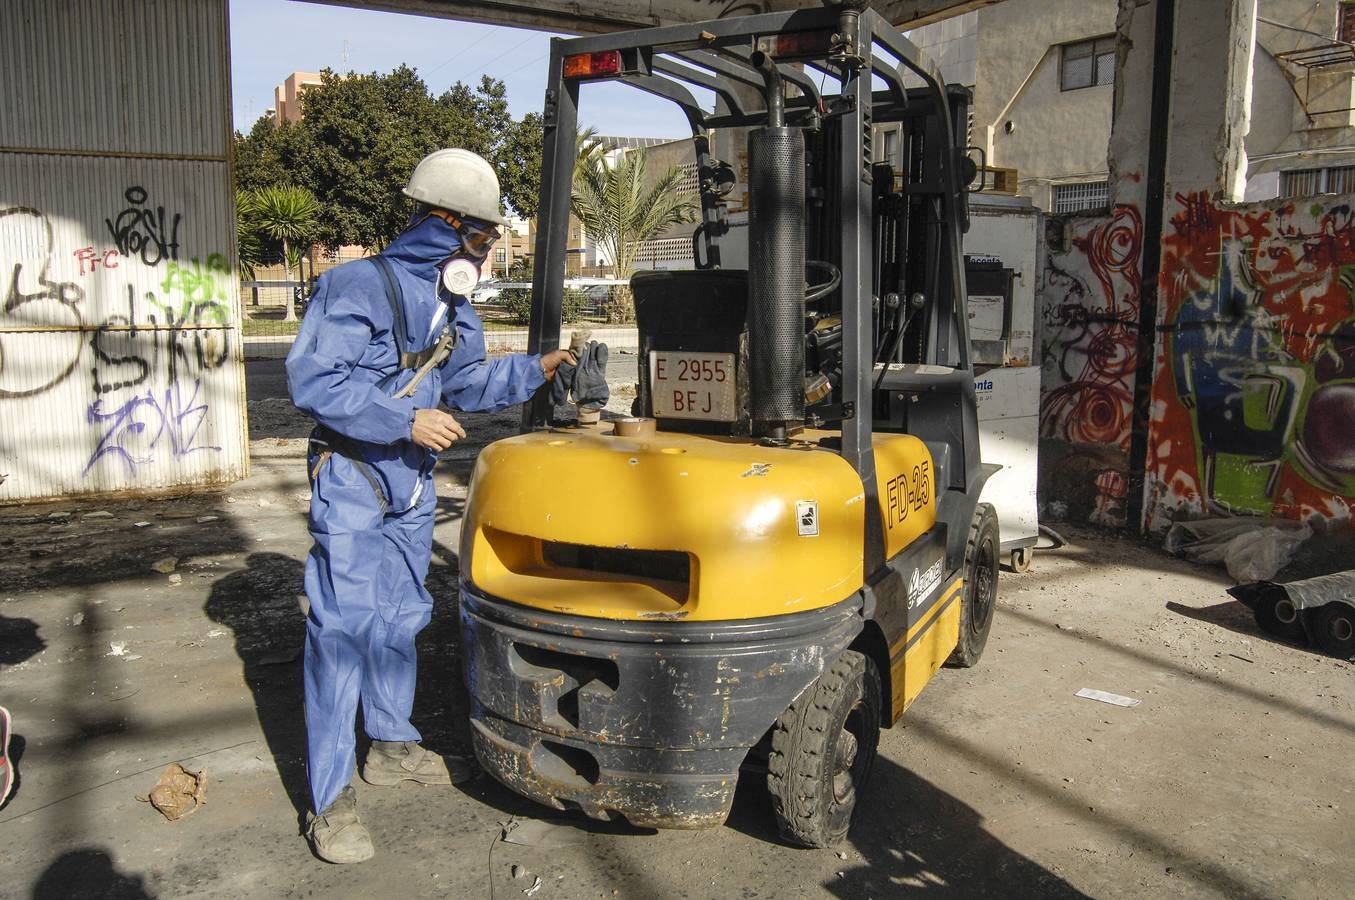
719	56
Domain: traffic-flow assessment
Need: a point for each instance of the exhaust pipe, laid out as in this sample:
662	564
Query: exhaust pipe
776	265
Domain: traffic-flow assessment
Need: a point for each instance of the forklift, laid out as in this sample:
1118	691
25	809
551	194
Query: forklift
776	554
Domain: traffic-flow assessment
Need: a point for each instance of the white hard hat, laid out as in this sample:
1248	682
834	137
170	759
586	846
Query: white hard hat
458	181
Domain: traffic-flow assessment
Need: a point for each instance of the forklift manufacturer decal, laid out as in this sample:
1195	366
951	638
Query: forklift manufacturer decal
907	493
807	514
922	584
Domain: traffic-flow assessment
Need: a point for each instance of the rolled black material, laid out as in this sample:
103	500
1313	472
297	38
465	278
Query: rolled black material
776	274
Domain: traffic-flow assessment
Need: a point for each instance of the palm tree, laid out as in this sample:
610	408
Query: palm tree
286	213
249	245
621	208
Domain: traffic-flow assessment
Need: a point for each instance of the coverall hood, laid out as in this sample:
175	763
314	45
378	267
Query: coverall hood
422	249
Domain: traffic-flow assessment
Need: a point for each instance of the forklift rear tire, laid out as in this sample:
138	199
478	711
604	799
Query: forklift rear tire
1334	629
980	587
823	748
1021	559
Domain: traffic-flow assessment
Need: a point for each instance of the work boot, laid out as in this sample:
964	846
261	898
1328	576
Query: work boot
337	835
391	762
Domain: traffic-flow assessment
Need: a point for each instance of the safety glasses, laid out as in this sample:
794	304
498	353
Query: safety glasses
476	238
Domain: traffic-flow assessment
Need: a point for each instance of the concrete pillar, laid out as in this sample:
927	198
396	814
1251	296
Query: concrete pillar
1211	97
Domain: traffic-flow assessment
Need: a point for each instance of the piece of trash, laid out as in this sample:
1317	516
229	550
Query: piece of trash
132	657
179	792
230	499
203	520
142	524
536	833
78	619
117	648
98	514
536	886
518	871
176	579
1243	658
215	633
1107	697
1251	549
841	854
166	565
280	657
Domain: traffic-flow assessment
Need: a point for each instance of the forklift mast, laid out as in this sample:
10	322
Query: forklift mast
878	341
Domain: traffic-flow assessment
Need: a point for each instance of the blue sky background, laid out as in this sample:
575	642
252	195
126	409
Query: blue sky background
272	38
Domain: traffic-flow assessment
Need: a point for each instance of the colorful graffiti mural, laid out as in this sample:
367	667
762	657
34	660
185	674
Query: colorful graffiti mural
1090	310
1254	386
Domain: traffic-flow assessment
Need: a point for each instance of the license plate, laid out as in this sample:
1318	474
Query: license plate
686	385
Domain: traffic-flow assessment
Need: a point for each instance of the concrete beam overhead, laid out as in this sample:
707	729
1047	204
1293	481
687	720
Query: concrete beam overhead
567	17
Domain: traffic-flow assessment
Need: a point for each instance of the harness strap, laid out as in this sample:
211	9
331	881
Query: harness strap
394	296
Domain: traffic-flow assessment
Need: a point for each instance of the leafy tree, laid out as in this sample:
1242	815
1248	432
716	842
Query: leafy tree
621	208
361	135
287	214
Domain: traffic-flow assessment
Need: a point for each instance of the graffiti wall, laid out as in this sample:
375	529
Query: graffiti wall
120	362
1254	386
1089	303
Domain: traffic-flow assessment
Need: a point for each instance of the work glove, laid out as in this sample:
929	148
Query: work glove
586	382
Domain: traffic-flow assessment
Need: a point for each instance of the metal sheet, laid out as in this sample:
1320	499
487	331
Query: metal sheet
125	76
120	353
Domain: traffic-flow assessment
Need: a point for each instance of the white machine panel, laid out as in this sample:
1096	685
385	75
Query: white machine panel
1009	435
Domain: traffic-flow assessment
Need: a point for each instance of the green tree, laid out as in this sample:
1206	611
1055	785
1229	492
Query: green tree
621	208
249	241
287	214
360	137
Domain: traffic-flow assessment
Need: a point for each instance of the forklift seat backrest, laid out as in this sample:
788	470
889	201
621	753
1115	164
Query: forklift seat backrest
695	301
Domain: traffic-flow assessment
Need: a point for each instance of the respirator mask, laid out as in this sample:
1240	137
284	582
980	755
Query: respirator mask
460	275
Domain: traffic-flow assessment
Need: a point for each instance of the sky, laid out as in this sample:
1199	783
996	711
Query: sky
272	38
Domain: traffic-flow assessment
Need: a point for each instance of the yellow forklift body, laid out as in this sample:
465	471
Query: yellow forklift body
765	531
916	656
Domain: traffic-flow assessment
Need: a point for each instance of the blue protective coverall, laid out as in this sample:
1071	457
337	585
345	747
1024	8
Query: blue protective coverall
372	504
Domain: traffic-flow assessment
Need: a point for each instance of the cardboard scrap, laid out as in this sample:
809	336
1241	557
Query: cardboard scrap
179	792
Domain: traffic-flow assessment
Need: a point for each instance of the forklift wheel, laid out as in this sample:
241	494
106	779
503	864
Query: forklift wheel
1276	615
980	587
1334	629
822	749
1021	559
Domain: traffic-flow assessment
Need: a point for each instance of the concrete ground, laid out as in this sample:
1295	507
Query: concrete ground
1232	779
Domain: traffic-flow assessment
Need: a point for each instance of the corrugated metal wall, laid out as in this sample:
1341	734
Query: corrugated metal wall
120	351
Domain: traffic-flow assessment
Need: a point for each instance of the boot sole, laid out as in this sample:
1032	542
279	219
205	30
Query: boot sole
384	779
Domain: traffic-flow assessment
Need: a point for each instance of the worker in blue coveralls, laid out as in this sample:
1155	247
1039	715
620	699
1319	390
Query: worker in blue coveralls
386	341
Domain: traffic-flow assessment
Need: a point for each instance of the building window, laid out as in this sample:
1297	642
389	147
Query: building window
1088	63
1345	23
1071	198
891	148
500	256
1311	182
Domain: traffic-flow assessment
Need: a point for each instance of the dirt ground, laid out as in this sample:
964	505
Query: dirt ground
1232	779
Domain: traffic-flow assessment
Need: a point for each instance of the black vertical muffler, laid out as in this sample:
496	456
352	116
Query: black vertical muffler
776	266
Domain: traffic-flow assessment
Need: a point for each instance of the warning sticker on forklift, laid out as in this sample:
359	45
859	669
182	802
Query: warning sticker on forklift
807	513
